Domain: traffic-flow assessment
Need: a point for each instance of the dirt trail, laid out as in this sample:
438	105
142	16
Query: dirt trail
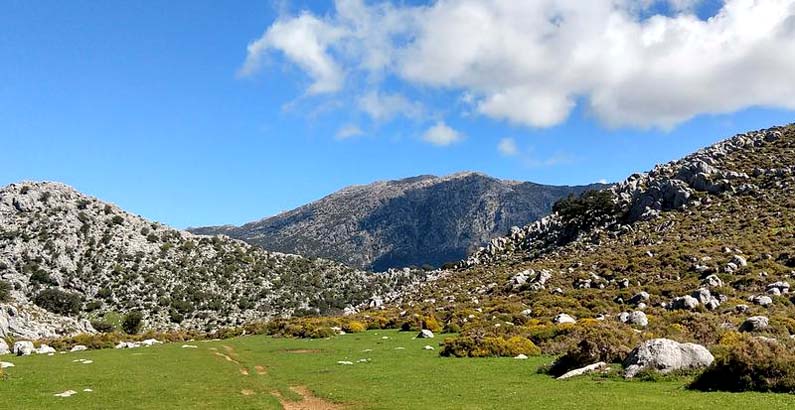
309	402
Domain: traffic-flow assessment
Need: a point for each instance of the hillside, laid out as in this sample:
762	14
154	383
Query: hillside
82	259
424	220
697	246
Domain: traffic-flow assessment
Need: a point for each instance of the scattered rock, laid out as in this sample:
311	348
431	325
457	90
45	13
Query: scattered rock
23	348
761	300
712	281
520	356
67	393
344	363
584	370
190	347
4	347
684	303
563	318
44	349
428	347
425	334
665	355
754	324
5	365
79	348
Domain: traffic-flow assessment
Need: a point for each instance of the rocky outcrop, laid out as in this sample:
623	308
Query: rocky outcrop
691	181
665	356
755	324
94	256
424	220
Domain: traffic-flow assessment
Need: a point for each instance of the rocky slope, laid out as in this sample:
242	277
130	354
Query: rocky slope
418	221
80	258
691	250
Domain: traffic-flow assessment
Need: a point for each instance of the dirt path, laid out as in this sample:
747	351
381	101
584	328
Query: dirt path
309	401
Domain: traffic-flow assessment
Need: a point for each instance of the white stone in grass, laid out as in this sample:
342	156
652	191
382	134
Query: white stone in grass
428	347
344	363
44	349
521	356
87	361
88	390
150	342
425	334
190	347
79	348
5	365
400	348
67	393
584	370
563	318
24	348
385	337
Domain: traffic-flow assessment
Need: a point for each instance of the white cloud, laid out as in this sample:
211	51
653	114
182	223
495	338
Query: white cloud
507	147
385	106
441	135
532	62
349	131
304	40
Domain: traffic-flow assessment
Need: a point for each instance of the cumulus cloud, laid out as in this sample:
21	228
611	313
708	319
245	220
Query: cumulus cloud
507	147
349	131
385	106
532	62
441	135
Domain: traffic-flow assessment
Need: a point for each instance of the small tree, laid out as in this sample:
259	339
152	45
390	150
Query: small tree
132	323
5	291
58	301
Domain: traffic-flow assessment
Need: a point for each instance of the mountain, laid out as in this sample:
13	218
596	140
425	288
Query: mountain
425	220
692	249
69	259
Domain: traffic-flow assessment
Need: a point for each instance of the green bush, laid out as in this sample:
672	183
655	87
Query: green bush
750	364
102	326
132	323
5	291
58	301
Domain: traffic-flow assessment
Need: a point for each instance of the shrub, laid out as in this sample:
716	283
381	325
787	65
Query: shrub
490	346
354	327
132	322
431	324
102	326
5	291
750	364
42	277
58	301
597	343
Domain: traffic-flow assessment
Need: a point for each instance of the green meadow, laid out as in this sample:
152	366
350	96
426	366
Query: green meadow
390	370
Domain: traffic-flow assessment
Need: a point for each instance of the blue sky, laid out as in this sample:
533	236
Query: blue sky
156	107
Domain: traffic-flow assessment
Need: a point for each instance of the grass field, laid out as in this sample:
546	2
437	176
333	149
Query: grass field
252	372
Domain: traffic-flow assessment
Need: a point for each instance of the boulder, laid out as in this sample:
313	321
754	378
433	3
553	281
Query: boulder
45	349
425	334
584	370
684	303
739	261
79	348
5	365
563	318
761	300
639	298
755	323
636	318
712	281
665	355
4	347
23	348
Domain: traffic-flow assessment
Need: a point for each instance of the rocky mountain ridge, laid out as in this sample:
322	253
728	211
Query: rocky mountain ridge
80	259
424	220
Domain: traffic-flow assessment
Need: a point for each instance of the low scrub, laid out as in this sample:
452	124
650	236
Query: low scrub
596	343
750	364
489	346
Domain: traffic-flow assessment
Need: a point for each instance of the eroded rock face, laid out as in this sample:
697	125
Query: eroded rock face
27	321
665	356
